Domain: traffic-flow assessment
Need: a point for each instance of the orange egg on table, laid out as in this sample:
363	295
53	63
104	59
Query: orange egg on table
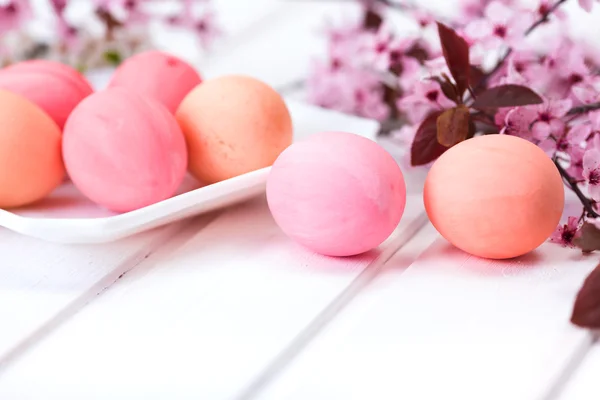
494	196
31	164
233	125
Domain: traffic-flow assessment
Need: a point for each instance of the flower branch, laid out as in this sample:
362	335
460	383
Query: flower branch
543	19
574	186
584	109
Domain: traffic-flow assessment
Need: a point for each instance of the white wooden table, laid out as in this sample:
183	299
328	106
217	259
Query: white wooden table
226	307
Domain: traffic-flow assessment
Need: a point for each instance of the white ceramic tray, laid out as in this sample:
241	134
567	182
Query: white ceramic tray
66	216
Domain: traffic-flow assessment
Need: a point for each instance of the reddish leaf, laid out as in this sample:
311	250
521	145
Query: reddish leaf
448	88
589	239
390	97
456	53
472	128
418	52
586	311
372	20
453	126
507	96
475	78
425	147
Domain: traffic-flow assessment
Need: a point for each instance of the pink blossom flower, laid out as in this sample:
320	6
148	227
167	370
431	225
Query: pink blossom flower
134	9
575	169
131	11
570	140
587	129
587	92
347	89
544	8
567	233
591	172
523	68
549	119
501	25
58	6
411	71
204	26
423	18
348	32
437	66
368	102
565	67
381	47
13	14
516	121
425	97
586	4
68	35
475	8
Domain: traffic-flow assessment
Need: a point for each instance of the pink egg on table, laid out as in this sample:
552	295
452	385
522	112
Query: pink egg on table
337	193
162	76
494	196
54	87
123	151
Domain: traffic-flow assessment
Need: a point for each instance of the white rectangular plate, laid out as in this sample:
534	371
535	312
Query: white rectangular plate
66	216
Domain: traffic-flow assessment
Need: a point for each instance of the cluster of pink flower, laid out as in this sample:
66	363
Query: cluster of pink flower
551	90
117	20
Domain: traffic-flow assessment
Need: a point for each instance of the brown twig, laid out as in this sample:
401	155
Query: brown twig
544	18
587	204
584	109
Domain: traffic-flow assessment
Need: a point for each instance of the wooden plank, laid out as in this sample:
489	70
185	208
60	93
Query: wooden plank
451	326
42	283
583	383
202	321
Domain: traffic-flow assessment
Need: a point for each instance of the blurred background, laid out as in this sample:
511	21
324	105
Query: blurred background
289	44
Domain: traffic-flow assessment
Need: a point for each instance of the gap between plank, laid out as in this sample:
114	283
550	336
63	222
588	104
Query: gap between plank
567	368
173	236
305	336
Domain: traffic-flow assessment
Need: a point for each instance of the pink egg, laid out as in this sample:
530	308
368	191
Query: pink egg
124	152
494	196
338	194
55	88
162	76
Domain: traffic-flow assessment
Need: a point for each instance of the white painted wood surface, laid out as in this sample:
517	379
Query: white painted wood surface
206	319
451	326
584	383
41	282
225	307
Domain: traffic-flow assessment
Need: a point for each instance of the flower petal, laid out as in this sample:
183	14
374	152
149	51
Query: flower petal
579	133
560	108
541	130
594	192
479	29
594	117
586	4
591	161
498	12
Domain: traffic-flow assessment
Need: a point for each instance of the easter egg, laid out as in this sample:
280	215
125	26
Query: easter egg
494	196
337	193
56	88
124	151
233	125
159	75
31	163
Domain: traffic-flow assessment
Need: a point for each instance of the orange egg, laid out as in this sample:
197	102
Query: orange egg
494	196
31	164
233	125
